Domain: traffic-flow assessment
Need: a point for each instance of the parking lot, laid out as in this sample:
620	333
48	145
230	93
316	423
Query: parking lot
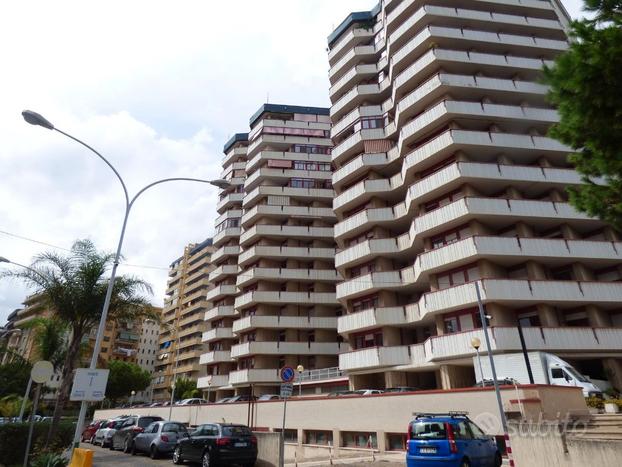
104	457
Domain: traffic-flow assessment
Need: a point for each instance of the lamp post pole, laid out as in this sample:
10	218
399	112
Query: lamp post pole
476	344
35	119
300	369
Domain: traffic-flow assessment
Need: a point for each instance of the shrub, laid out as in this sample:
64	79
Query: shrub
598	403
49	459
13	438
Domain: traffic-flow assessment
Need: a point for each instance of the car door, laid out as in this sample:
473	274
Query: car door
193	448
143	440
487	445
468	446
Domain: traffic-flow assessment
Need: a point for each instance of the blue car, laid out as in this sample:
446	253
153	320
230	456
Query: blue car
450	440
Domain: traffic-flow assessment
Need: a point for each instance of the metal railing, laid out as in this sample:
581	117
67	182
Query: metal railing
322	373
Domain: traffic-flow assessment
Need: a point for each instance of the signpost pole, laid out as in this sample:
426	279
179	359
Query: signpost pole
282	444
35	404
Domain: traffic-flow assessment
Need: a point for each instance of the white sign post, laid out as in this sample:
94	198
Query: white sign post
89	385
41	372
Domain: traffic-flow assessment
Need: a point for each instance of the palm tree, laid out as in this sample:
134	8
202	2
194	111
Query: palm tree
50	339
74	287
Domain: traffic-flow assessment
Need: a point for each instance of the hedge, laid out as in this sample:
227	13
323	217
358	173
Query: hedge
13	438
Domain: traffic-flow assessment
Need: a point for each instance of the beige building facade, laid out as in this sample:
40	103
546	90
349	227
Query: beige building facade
444	177
182	325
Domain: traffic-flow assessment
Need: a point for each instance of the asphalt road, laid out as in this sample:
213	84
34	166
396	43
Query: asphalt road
104	457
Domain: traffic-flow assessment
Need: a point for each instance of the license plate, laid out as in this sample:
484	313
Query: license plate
427	450
240	445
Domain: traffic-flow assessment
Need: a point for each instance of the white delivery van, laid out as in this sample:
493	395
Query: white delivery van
545	367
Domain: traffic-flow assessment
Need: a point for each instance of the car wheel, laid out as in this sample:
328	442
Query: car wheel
207	461
154	453
133	450
177	459
498	461
92	440
127	446
465	463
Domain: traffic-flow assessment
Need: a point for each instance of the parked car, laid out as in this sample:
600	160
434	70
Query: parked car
402	389
88	434
103	436
193	401
241	398
123	437
489	382
155	404
159	438
218	443
451	440
223	400
341	393
269	397
368	392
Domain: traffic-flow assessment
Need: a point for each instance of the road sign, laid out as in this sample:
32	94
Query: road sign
42	371
89	385
287	374
287	389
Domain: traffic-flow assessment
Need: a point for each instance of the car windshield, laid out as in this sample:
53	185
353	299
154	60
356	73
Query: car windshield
173	428
428	430
236	430
145	421
577	375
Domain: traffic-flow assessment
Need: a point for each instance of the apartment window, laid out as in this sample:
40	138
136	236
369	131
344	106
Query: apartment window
302	183
246	363
368	339
351	439
365	303
443	201
282	335
310	149
435	168
229	223
311	336
295	131
363	269
451	236
528	318
371	123
562	274
361	238
463	320
248	337
313	166
458	276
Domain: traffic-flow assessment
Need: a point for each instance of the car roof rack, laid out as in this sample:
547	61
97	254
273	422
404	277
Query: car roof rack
452	413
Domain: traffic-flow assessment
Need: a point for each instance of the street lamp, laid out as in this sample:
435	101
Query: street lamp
132	394
476	343
36	119
300	369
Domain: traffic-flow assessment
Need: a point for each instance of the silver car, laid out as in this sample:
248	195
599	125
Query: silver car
103	436
159	438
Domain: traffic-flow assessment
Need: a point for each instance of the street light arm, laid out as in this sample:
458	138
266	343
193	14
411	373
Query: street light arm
165	180
127	197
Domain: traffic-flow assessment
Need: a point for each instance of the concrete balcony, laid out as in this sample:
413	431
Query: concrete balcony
219	312
358	166
233	154
216	356
347	42
282	298
196	329
229	201
350	119
284	142
283	322
275	175
284	252
262	158
229	214
355	144
563	340
191	368
250	376
304	194
196	286
359	54
225	252
287	274
260	211
248	349
374	357
353	77
221	291
378	317
190	342
225	235
212	381
217	334
363	94
259	231
223	271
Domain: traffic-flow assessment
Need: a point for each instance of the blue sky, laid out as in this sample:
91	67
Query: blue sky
158	87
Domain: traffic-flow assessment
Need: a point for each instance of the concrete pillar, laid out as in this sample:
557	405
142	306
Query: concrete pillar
611	234
440	325
336	441
381	438
548	315
598	318
523	230
569	232
613	368
300	436
535	271
582	273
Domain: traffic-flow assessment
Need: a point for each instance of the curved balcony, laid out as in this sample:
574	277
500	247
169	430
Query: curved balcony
260	211
223	271
287	274
221	291
355	75
359	54
255	375
219	312
225	235
347	42
259	231
225	252
217	334
216	356
304	194
378	317
255	253
212	381
282	298
248	349
283	322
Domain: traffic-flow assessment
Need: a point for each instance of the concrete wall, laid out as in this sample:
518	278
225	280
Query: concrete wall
381	414
268	452
543	446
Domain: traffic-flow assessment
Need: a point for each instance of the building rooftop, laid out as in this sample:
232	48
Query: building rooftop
355	17
287	109
238	137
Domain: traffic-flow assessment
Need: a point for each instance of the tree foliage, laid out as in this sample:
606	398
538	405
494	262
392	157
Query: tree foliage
124	378
50	339
14	376
185	389
73	286
585	85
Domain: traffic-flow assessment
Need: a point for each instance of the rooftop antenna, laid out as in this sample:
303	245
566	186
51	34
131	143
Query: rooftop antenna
268	97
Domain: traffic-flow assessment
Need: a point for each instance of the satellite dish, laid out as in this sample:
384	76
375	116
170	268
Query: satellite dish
42	371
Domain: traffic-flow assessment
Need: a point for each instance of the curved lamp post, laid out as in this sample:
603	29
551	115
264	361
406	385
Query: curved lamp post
36	119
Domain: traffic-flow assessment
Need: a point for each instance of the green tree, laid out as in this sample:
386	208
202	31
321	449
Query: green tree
585	84
124	378
11	405
74	287
50	339
14	376
185	389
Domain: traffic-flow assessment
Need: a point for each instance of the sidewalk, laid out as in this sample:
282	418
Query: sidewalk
385	460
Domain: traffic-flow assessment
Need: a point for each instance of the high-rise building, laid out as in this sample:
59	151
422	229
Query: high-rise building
445	178
146	353
182	318
274	296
